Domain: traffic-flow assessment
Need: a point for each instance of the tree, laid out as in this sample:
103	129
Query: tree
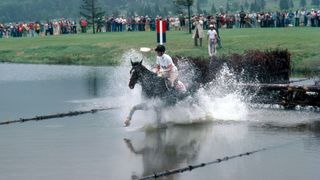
221	9
284	4
188	4
92	12
115	12
213	8
228	6
241	8
315	2
262	4
258	5
254	7
303	3
291	4
202	1
246	5
235	6
199	10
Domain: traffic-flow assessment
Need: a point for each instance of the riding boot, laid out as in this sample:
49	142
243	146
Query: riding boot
195	41
200	42
168	85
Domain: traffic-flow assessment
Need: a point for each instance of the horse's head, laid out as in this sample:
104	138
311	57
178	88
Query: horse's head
135	73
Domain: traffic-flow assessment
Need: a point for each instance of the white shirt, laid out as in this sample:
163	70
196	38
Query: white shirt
164	61
212	34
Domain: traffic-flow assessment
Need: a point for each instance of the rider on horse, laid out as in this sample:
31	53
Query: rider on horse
167	87
167	69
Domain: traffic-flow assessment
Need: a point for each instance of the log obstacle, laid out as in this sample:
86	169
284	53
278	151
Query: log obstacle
289	96
265	73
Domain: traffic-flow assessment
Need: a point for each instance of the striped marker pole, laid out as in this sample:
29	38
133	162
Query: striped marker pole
161	31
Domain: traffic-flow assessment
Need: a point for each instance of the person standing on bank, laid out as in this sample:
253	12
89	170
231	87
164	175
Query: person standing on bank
212	37
198	31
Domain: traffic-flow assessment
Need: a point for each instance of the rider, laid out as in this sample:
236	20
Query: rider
166	68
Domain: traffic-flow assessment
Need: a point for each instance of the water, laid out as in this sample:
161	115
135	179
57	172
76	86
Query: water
97	146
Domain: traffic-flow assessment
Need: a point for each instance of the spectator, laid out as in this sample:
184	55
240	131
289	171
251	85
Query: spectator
83	25
198	31
212	37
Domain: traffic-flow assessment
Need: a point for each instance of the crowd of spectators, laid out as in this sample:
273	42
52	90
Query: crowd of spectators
33	29
298	18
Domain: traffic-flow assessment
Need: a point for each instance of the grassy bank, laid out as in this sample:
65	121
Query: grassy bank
107	48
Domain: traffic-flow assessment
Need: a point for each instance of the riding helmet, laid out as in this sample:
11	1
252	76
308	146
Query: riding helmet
160	48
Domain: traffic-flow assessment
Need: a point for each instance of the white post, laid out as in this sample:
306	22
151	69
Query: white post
161	32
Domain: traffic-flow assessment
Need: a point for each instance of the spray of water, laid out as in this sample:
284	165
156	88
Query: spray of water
218	100
119	94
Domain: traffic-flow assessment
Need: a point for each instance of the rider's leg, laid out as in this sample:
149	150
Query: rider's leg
178	85
173	77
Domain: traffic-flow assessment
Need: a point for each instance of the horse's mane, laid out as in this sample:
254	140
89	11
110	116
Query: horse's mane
143	68
155	86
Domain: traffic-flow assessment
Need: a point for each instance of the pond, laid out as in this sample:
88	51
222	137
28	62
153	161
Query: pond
97	146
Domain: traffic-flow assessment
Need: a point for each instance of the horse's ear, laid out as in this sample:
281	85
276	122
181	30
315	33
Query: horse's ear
141	62
131	62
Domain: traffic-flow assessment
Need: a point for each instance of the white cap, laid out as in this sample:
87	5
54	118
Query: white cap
211	25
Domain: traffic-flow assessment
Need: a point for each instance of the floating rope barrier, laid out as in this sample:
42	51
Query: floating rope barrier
59	115
299	80
156	175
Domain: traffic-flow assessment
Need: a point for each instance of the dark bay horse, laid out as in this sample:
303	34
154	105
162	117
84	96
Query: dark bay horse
153	86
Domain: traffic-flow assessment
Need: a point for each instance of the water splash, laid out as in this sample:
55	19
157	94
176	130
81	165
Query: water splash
134	56
222	98
219	100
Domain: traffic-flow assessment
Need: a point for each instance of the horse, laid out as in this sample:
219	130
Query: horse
153	86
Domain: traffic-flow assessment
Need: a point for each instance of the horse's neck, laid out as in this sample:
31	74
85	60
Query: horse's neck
149	75
150	82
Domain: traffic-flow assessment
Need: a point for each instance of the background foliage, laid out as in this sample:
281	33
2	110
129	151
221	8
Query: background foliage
32	10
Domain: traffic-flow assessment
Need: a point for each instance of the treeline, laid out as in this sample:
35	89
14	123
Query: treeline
33	10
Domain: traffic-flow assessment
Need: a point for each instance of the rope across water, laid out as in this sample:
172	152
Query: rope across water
156	175
58	115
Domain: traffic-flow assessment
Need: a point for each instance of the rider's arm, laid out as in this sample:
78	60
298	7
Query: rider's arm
156	69
170	64
169	68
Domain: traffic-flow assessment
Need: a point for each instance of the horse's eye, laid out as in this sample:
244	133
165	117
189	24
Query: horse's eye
131	71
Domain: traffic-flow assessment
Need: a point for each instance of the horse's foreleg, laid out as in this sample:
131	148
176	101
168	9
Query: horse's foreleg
142	106
158	114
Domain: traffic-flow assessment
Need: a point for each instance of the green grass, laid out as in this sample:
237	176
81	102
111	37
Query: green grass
107	48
